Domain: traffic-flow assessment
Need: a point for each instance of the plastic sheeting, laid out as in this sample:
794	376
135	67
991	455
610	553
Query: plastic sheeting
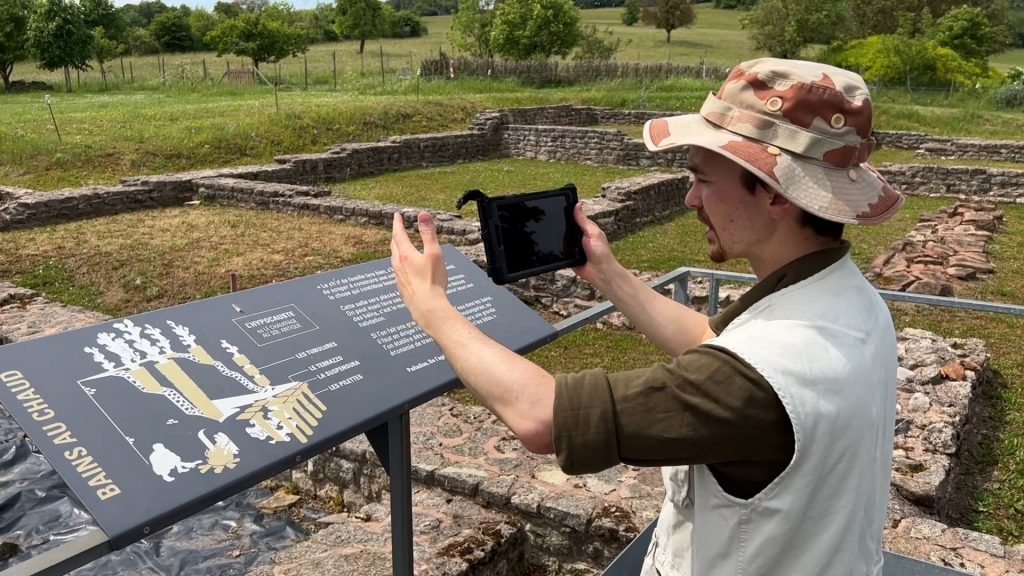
38	512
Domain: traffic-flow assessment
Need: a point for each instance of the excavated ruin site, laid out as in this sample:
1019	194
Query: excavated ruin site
482	503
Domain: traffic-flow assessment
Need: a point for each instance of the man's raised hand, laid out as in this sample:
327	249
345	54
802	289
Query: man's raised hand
421	278
600	260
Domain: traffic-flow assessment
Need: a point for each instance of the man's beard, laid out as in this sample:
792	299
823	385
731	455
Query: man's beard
715	251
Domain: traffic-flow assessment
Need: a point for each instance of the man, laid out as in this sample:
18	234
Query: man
774	420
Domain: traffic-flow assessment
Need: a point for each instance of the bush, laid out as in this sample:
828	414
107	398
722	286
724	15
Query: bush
1015	75
1011	96
400	24
914	62
631	12
597	45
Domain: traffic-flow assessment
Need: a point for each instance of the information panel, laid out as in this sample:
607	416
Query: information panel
151	418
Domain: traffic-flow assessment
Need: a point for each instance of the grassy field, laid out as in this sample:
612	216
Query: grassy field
438	188
149	127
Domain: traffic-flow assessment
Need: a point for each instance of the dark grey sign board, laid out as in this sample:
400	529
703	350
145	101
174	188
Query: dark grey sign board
151	418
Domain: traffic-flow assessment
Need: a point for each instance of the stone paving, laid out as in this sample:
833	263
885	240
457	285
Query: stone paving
946	247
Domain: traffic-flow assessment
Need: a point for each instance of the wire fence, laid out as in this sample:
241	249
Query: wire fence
572	71
334	69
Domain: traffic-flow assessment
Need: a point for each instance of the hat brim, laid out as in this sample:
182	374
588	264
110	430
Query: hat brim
853	195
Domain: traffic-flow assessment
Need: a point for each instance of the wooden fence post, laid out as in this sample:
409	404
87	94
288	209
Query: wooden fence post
334	64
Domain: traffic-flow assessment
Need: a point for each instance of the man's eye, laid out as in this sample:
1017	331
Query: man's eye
702	180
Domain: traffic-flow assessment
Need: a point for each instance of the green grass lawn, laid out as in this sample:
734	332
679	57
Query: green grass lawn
438	188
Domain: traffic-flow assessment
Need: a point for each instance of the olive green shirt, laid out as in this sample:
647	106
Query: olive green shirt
707	406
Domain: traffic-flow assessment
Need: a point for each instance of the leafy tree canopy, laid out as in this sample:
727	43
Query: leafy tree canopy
259	36
784	27
172	31
471	28
103	14
140	15
525	29
358	20
668	15
967	31
59	39
14	16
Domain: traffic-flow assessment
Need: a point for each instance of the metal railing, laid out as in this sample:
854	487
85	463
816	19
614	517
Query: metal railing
679	280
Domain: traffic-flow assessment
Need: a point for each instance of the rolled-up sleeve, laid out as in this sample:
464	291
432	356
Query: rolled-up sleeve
705	406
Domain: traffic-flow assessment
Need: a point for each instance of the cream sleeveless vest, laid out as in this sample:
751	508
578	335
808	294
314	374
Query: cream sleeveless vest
828	348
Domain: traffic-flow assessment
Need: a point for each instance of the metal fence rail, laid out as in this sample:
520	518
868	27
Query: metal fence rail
680	277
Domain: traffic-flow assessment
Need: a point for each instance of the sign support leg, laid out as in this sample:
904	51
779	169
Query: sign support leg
390	441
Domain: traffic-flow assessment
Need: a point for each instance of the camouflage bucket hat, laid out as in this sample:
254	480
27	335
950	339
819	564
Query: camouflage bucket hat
804	128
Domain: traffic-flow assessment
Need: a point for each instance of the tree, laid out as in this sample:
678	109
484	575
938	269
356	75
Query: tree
526	29
139	41
668	15
172	31
259	36
631	12
14	17
140	15
400	24
59	39
967	31
103	14
227	9
202	22
358	20
784	27
597	45
471	28
104	49
319	23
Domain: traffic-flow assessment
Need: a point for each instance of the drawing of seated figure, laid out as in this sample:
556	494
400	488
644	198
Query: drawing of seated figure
164	461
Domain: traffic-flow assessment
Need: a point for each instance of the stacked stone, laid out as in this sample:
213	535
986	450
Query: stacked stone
587	145
965	182
947	147
947	246
24	209
936	381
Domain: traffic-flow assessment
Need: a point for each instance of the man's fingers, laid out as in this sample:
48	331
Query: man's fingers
586	224
399	237
428	232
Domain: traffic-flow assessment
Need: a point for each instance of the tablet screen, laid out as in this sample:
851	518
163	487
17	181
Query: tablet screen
537	232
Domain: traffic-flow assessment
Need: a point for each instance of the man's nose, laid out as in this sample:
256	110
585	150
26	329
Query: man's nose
692	199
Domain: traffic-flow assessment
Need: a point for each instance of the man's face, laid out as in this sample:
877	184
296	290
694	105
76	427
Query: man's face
734	217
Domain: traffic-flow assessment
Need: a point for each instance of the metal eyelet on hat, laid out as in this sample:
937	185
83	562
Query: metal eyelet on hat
838	121
774	104
773	151
852	174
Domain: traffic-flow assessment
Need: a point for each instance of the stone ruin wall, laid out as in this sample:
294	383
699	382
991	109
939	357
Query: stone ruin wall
522	133
568	520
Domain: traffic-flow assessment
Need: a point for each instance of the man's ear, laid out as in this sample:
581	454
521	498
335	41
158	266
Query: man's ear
779	207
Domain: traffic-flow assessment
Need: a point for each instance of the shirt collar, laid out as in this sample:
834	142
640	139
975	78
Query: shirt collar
796	271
